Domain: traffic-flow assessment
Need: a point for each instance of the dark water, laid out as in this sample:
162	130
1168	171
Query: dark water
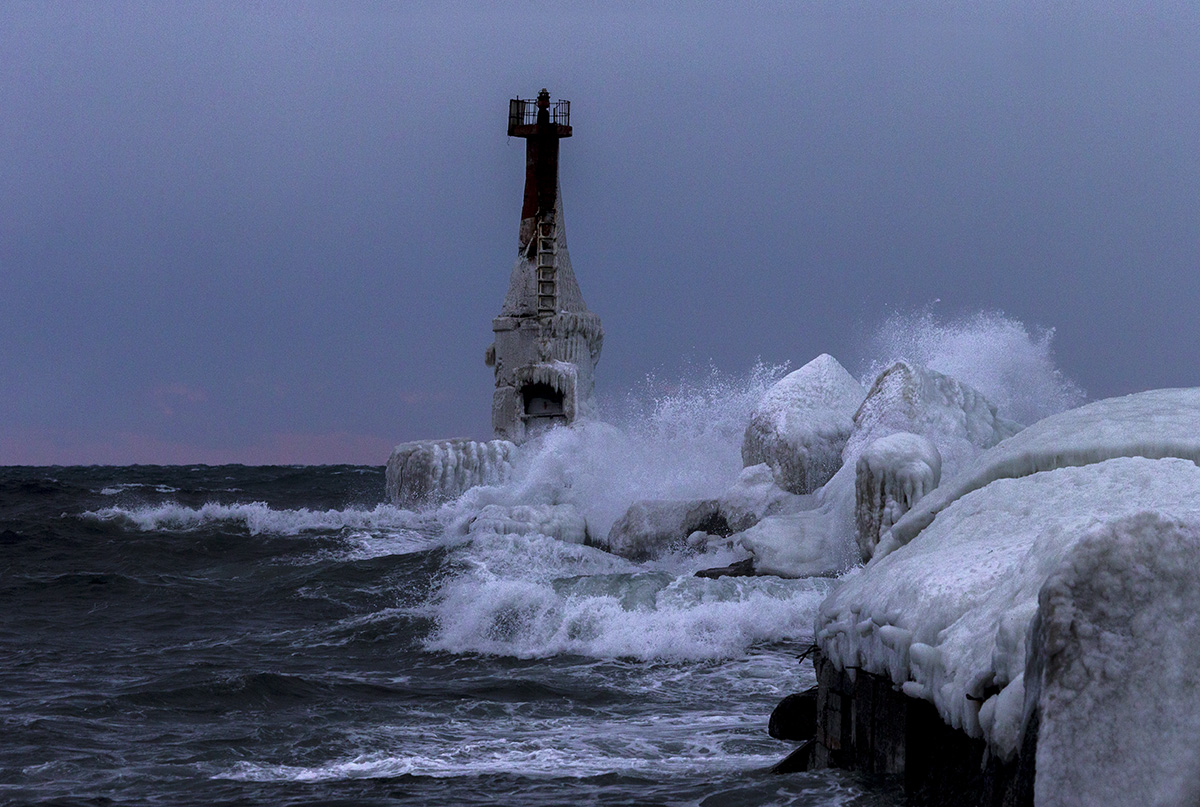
233	635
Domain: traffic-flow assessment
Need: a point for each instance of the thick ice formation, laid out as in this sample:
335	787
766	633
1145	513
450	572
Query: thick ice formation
431	471
910	398
755	496
561	521
818	541
957	420
893	474
946	616
1116	668
1153	424
651	528
802	424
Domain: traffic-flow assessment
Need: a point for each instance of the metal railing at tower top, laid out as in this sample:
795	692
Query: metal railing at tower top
523	112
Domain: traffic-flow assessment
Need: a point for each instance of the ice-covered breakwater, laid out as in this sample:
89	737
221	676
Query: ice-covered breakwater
431	471
1021	631
1045	602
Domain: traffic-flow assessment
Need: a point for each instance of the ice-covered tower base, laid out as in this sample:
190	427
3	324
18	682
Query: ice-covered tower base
547	343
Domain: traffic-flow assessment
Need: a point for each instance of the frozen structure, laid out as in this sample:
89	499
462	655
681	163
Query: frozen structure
1044	604
892	475
910	398
546	343
561	521
427	472
802	424
948	424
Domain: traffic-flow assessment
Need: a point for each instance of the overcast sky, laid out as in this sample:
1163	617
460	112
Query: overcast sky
278	231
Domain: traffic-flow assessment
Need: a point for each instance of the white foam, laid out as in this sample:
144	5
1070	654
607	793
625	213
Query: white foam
1012	365
716	726
530	596
121	488
682	445
258	517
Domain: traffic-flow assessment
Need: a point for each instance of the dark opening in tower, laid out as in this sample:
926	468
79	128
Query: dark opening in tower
542	401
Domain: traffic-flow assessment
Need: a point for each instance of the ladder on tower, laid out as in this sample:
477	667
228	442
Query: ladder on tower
547	267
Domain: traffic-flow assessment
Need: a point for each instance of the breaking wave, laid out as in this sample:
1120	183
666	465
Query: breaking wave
1011	364
257	518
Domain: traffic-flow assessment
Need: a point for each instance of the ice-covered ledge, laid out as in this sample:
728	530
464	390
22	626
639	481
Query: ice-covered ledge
1044	608
1153	424
946	616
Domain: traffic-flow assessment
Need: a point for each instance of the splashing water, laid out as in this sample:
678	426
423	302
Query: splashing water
533	597
1010	364
684	443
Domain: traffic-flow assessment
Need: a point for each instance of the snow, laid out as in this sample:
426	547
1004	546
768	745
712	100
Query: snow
946	616
1153	424
893	474
1115	675
802	423
431	471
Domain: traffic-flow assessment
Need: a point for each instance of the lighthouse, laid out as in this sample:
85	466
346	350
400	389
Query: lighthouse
546	343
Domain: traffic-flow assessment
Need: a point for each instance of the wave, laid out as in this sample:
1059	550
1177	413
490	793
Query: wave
1010	363
533	597
258	518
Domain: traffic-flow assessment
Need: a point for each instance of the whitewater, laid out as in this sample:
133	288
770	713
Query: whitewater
284	635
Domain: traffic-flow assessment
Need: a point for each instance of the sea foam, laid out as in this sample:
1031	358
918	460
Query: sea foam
258	518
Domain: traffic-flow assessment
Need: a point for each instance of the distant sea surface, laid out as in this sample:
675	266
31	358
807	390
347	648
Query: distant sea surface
240	635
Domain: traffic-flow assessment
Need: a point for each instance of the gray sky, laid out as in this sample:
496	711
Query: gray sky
278	231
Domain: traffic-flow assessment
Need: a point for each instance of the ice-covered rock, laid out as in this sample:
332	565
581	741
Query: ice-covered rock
651	528
802	423
755	496
1153	424
947	616
954	420
561	521
432	471
807	543
892	474
910	398
1114	673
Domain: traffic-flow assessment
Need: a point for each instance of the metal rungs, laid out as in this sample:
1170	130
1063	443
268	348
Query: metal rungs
547	266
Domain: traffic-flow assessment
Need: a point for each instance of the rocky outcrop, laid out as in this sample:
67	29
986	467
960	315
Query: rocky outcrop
802	423
651	528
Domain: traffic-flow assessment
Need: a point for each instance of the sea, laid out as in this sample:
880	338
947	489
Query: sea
281	635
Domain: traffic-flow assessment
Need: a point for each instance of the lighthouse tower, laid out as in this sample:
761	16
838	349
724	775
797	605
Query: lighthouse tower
546	343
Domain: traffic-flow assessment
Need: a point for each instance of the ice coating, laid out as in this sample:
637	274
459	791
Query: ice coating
755	496
801	425
1153	424
426	472
956	420
816	541
1115	675
946	616
910	398
891	476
